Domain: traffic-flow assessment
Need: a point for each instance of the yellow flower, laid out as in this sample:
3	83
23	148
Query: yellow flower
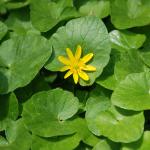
76	65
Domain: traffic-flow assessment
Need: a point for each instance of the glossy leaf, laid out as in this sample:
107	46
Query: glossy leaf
82	31
125	40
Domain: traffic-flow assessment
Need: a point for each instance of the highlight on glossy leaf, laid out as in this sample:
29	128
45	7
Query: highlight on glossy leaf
76	65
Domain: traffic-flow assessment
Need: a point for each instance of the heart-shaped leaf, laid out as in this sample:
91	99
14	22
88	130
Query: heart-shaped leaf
91	34
107	120
47	113
17	65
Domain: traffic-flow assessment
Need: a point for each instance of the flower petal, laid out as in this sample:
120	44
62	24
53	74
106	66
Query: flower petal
87	57
70	54
89	68
64	60
78	52
69	73
75	77
83	75
65	68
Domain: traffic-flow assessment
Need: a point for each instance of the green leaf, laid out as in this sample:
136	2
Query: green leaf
16	5
17	66
46	14
116	124
130	62
47	113
82	96
3	30
107	79
82	31
142	144
134	92
99	8
19	22
125	40
106	145
132	13
57	143
83	132
16	137
8	109
145	55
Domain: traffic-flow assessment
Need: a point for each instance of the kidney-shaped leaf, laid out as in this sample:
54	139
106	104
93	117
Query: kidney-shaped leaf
134	92
47	113
91	34
20	60
116	124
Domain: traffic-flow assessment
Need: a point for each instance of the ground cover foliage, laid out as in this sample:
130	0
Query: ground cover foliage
74	75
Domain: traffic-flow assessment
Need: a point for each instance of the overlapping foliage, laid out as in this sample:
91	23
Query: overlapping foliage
40	110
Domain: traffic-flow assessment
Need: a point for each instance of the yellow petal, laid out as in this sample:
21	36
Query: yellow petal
75	77
69	73
69	53
78	52
83	75
89	68
64	60
65	68
87	57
